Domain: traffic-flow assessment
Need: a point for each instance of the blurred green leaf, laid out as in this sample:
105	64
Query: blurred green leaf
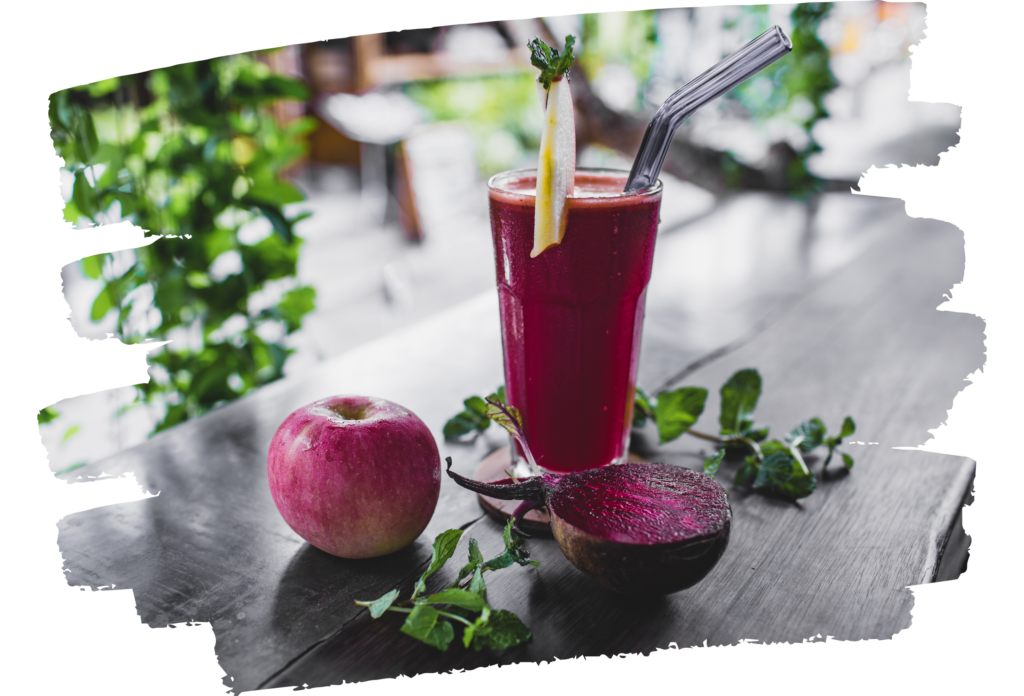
104	302
739	399
158	147
47	415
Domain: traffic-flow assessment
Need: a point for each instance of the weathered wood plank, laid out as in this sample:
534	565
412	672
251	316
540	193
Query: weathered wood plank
866	341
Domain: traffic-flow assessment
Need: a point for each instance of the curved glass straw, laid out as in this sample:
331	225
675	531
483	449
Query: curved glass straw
746	62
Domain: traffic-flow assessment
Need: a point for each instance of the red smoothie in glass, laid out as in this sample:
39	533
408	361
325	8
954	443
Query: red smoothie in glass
571	318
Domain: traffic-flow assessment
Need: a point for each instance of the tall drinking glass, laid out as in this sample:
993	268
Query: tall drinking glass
571	318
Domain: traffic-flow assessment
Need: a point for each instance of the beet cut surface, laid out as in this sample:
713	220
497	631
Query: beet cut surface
634	527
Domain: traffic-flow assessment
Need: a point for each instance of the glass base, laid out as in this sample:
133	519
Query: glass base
521	468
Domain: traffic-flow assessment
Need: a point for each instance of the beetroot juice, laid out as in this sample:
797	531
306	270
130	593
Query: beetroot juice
571	318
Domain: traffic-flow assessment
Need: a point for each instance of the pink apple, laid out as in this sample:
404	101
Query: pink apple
355	476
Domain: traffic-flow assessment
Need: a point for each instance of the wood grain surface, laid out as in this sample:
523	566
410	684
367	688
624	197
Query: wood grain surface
867	342
844	325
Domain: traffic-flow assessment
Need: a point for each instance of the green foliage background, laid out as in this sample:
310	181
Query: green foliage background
502	115
191	152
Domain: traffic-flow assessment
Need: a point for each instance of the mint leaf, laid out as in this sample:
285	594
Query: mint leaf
758	435
422	624
502	630
712	463
546	59
476	405
514	552
773	447
848	428
800	485
475	559
476	584
739	399
807	435
833	442
456	597
675	411
514	546
642	408
444	547
463	423
775	469
379	606
469	631
745	474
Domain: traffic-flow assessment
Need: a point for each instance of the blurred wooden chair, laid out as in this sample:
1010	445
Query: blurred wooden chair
375	77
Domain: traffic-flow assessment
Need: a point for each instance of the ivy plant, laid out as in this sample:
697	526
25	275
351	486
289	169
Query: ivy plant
192	153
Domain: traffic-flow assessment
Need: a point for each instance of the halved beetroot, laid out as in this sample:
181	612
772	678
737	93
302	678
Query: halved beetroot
633	527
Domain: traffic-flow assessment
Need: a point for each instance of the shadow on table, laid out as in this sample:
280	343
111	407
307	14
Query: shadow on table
314	579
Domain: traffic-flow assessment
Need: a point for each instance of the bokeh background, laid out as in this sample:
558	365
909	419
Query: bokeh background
315	197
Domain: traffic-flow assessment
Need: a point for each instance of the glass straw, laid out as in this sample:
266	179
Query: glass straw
749	60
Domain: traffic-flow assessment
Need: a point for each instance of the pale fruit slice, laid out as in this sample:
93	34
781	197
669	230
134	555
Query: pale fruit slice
556	167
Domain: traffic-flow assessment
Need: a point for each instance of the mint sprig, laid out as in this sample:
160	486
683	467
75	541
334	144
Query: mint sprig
551	64
774	467
474	418
464	602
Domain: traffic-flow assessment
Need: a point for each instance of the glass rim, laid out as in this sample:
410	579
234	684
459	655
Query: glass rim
656	187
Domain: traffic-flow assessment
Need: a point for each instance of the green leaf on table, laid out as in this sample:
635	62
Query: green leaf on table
775	469
847	460
758	435
800	485
745	474
807	435
675	411
469	631
502	630
848	428
422	624
514	552
514	546
642	408
444	547
476	584
475	404
712	463
475	559
460	598
739	399
463	423
378	606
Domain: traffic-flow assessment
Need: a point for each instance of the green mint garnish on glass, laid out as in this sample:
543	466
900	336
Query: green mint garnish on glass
774	467
432	618
551	64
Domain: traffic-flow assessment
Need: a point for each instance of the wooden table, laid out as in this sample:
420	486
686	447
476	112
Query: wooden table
834	302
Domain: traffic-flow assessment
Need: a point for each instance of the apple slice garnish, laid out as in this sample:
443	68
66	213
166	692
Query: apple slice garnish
556	166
